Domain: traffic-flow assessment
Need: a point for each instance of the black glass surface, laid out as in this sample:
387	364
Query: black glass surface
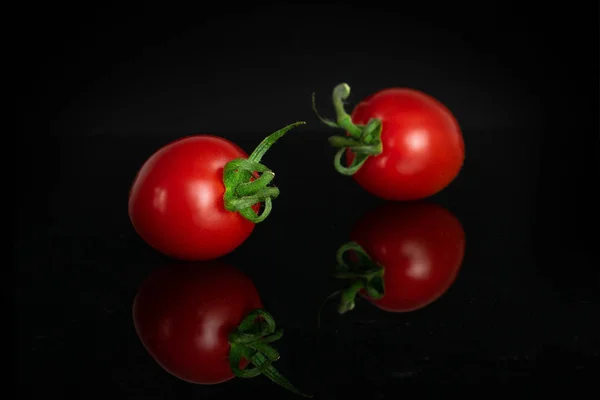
524	305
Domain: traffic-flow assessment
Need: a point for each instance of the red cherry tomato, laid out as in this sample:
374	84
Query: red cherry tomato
420	248
421	148
177	200
187	316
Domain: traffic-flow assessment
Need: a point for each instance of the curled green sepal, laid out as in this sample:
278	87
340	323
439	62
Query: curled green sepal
363	273
363	141
247	181
251	341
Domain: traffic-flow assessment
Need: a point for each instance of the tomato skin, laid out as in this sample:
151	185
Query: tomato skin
183	315
420	246
423	146
176	200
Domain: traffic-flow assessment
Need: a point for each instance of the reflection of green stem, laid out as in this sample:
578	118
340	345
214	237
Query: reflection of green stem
348	295
251	341
241	192
362	140
364	274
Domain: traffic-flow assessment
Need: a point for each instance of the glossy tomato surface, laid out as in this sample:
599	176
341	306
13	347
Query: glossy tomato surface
183	315
423	147
421	248
176	200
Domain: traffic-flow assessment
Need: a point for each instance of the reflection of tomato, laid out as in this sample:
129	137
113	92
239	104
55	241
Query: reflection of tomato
191	319
420	248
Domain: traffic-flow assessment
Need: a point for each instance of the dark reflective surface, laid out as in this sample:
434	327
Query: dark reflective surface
525	300
504	316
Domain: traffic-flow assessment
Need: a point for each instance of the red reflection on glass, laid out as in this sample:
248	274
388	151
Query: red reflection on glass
402	256
204	323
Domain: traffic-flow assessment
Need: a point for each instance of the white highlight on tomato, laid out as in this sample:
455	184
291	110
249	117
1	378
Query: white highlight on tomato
420	264
209	336
160	199
417	140
416	144
203	196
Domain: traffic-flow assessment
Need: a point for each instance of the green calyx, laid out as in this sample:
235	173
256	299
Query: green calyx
251	341
362	140
247	181
362	273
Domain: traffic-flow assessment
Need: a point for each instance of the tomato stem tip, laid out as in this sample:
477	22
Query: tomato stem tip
247	181
251	341
363	141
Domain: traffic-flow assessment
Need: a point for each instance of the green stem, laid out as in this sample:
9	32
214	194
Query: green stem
344	120
250	341
363	141
246	181
363	274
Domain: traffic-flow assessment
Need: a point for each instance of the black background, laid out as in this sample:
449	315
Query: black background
100	89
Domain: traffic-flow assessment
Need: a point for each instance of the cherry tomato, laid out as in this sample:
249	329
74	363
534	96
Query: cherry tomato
176	202
187	317
413	149
192	199
418	247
